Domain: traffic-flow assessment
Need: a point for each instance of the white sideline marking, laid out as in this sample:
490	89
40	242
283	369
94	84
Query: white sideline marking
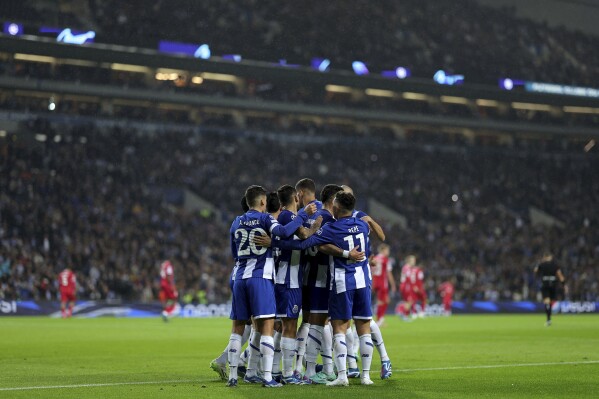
108	384
113	384
498	366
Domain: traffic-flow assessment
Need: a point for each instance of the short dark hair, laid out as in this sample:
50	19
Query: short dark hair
328	192
244	204
272	202
253	193
346	201
286	193
306	184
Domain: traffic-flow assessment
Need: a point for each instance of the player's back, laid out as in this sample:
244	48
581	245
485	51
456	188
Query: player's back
379	271
548	271
287	264
253	260
348	233
316	264
167	272
66	279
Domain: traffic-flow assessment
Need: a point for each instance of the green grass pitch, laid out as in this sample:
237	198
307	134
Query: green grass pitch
455	357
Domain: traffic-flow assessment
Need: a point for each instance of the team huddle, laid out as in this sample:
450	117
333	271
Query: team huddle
296	254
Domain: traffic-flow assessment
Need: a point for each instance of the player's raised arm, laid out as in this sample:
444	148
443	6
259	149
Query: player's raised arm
305	233
290	228
375	227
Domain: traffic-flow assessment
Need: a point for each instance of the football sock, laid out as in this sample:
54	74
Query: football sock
245	355
352	360
381	308
302	335
340	355
377	340
267	350
548	311
313	345
246	334
288	348
276	365
366	349
254	354
222	359
233	354
326	350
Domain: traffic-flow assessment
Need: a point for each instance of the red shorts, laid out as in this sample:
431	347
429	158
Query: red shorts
67	296
421	296
382	292
408	295
167	294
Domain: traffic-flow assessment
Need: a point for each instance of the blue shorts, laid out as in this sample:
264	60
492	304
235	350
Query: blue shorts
315	299
289	301
253	297
352	304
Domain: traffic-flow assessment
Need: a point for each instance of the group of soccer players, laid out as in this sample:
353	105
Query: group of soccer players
294	253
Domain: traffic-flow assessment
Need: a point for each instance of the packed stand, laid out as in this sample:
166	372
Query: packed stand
93	201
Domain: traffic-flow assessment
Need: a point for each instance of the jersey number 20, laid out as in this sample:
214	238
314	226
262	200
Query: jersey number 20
246	246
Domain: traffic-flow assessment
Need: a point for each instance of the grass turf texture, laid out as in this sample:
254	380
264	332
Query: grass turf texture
38	352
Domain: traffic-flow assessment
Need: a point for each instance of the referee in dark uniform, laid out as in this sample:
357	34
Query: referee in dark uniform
550	273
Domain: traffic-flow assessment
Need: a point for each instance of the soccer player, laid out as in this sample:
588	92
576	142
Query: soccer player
306	194
317	280
68	286
377	337
419	291
350	284
382	279
549	272
447	289
219	365
168	291
406	284
288	285
253	289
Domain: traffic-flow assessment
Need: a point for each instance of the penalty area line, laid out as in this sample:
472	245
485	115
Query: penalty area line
498	366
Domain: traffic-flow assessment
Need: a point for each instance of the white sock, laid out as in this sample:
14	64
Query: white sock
267	350
254	354
326	350
288	348
246	334
356	347
366	349
243	359
233	354
302	335
340	355
352	360
222	359
313	345
276	365
377	340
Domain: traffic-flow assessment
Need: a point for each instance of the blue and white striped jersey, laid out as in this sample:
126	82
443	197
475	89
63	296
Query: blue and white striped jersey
307	255
254	260
346	233
287	265
316	272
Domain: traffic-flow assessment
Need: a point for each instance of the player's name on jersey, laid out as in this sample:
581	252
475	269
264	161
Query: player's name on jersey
253	222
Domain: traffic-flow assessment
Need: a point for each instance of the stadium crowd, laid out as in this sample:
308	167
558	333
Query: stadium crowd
460	36
94	200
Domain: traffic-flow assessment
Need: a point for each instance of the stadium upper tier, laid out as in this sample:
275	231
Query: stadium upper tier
462	36
100	199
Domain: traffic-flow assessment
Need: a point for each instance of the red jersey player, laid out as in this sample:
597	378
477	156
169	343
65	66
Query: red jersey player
381	278
446	289
68	285
168	291
418	289
405	285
